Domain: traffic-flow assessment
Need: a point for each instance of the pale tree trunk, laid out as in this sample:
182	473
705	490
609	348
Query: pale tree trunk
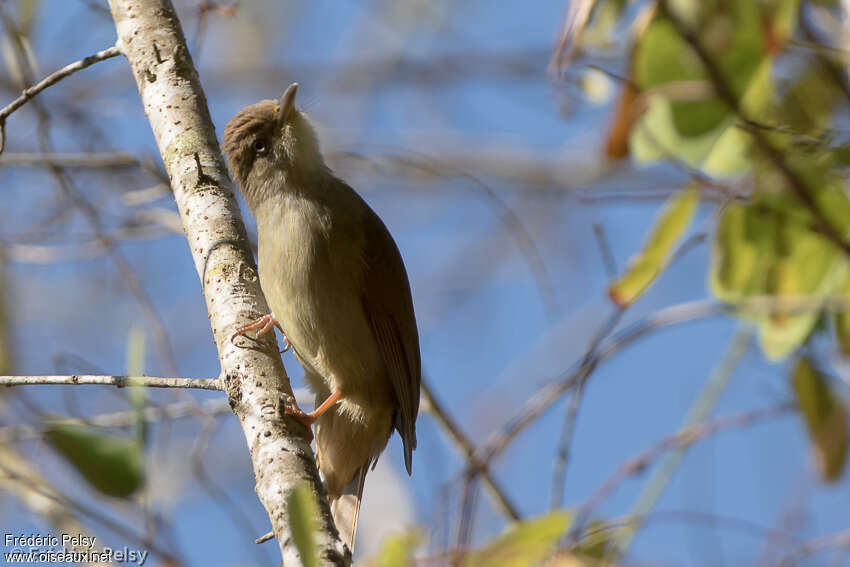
150	36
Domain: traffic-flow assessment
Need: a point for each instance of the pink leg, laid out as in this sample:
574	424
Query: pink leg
309	419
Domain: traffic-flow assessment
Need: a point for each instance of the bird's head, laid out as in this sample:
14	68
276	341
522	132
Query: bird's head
269	144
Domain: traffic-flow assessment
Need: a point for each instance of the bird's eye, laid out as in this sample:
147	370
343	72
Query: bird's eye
260	146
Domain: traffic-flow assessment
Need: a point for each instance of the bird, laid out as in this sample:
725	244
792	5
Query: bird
338	289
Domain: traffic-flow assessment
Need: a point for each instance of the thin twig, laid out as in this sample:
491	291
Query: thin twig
49	81
588	364
559	470
116	380
699	412
683	438
466	515
568	43
546	396
838	540
549	394
605	251
465	445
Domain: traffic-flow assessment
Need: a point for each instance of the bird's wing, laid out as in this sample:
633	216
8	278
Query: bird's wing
389	308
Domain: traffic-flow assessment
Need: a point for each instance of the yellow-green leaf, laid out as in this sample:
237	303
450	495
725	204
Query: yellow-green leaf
684	119
303	518
675	218
595	545
769	250
523	543
825	418
112	465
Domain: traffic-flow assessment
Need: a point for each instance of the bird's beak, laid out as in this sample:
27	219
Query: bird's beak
287	103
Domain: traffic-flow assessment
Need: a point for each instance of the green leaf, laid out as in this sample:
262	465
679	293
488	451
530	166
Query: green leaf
397	550
662	58
523	543
112	465
303	520
808	104
655	138
784	19
770	249
684	119
675	218
721	151
825	418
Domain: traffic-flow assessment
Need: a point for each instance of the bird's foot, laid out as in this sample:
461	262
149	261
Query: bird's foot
308	419
262	325
288	406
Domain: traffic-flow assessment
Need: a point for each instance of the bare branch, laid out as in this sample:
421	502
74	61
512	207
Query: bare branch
465	445
549	394
838	540
605	250
588	365
119	381
568	42
48	81
544	398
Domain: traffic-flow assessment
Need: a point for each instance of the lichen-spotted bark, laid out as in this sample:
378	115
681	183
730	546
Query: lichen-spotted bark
150	36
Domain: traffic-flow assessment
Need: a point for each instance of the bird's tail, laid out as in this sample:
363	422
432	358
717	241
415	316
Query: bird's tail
346	508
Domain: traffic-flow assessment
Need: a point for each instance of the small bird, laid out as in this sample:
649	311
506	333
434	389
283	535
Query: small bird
338	289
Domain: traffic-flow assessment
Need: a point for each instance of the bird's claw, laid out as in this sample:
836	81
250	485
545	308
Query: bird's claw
262	325
288	406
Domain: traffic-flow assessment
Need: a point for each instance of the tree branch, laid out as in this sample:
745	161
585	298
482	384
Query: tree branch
49	81
467	447
119	381
253	376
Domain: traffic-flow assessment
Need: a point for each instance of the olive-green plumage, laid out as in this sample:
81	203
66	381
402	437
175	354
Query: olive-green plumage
336	283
